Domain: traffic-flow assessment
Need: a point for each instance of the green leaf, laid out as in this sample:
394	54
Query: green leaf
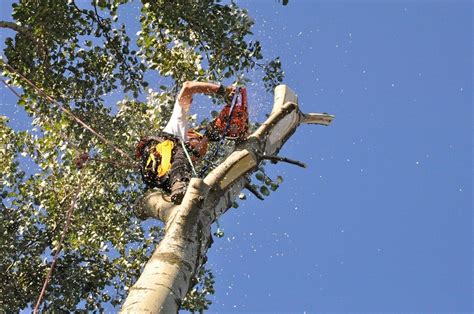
260	176
209	40
279	179
264	190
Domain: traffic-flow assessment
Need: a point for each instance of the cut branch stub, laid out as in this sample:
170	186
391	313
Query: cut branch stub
317	118
154	203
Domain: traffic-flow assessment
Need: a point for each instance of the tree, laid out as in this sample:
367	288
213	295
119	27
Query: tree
69	184
168	275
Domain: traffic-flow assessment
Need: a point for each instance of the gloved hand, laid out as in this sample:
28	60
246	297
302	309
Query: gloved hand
229	93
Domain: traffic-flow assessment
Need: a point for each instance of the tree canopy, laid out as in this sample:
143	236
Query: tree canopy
66	57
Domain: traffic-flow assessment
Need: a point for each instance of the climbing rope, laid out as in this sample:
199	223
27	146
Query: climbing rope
78	189
78	150
58	248
67	111
11	89
189	158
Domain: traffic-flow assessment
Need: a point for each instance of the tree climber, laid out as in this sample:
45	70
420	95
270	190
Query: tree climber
164	163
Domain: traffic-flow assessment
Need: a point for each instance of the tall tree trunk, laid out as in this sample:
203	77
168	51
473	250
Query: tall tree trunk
169	273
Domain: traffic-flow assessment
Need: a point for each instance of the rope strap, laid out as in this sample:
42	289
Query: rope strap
79	121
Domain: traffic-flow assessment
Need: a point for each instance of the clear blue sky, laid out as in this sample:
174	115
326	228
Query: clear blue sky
381	220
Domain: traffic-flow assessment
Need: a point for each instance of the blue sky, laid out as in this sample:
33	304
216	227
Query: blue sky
381	220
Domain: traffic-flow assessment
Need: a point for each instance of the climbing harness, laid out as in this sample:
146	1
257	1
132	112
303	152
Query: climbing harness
155	154
163	151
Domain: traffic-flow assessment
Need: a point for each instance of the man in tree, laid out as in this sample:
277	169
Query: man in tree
166	159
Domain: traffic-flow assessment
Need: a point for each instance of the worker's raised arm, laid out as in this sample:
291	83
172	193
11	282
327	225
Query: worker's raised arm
185	96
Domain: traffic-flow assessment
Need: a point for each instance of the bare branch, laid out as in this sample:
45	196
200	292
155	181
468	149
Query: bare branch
254	191
275	159
26	31
15	27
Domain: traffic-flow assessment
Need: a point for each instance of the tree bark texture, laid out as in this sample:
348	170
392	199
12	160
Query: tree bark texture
170	272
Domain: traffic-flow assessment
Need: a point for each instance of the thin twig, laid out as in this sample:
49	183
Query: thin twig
101	24
254	191
275	159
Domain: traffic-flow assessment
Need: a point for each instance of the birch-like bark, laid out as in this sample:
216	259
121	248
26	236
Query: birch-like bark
168	275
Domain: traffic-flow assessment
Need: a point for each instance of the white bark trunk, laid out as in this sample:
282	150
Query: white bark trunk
167	276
